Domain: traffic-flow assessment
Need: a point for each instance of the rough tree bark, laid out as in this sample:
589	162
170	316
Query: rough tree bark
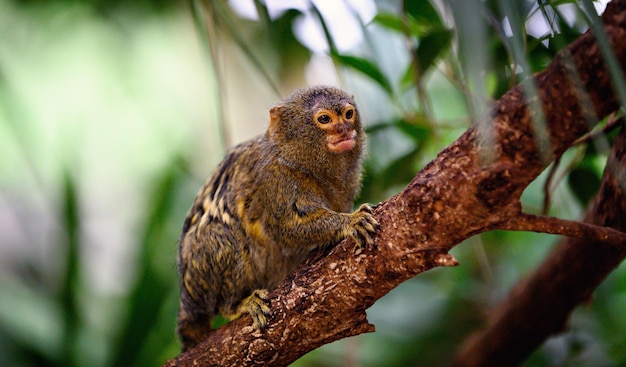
461	193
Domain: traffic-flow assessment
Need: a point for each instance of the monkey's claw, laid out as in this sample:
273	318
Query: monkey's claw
364	227
257	305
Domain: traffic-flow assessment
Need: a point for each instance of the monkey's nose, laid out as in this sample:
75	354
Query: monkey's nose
343	128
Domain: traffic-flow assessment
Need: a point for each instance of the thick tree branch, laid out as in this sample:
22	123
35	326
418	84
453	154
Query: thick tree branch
462	192
541	304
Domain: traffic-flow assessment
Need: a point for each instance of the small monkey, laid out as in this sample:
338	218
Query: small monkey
271	201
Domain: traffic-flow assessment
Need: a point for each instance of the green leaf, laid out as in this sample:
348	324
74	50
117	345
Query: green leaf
67	294
584	183
408	79
331	43
430	49
390	21
373	129
396	23
221	15
150	291
423	12
366	67
418	130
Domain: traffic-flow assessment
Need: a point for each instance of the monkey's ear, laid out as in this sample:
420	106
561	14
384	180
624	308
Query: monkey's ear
275	115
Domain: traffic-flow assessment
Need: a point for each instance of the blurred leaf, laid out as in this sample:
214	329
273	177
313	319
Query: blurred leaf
150	291
539	56
407	81
610	59
390	21
221	14
160	344
418	130
401	170
423	12
366	67
32	321
395	23
331	43
584	183
430	49
68	291
292	54
556	3
373	129
264	15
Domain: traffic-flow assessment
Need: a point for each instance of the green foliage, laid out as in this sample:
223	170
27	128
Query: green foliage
366	67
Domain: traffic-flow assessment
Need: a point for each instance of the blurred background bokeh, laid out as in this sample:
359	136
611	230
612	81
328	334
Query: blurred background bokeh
113	113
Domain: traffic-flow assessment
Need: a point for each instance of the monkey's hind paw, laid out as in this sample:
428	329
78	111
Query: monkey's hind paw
364	227
257	305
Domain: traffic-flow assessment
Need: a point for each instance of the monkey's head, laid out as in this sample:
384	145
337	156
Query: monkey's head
320	123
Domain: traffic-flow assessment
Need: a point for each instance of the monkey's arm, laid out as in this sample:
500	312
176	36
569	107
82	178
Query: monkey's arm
310	221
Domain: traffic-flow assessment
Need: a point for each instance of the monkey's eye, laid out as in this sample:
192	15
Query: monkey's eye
323	119
349	114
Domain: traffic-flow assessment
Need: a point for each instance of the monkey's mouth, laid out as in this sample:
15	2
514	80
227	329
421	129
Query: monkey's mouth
341	142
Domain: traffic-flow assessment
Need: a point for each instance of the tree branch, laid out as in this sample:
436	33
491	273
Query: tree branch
460	193
541	304
570	228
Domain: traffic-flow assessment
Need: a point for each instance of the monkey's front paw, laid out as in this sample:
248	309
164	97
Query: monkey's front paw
257	305
364	226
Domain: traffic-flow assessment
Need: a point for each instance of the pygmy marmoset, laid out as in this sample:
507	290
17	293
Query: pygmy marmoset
271	201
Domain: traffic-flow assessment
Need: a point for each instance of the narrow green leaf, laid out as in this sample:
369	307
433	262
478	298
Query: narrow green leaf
610	59
407	25
431	47
408	79
584	182
67	294
150	291
329	38
418	130
366	67
221	14
423	12
373	129
389	21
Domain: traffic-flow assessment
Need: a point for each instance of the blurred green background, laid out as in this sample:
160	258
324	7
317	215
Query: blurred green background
113	113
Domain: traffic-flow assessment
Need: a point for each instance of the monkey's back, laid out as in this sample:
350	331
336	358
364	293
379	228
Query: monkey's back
228	245
212	263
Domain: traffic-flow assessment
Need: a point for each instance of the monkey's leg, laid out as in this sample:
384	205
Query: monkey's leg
192	327
256	305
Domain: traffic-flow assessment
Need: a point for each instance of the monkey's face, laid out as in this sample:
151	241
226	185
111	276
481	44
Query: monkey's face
339	126
317	124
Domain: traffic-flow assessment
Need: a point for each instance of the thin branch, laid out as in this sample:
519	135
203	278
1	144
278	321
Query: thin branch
569	228
547	192
615	120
